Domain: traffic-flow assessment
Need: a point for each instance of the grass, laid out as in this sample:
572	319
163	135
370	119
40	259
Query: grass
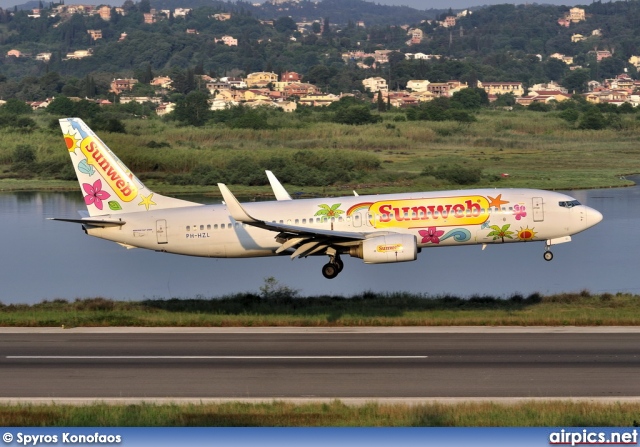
333	414
537	150
367	309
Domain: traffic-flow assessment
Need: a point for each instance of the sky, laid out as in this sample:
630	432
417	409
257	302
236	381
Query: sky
418	4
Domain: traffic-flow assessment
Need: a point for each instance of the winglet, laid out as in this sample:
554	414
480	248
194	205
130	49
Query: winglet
278	189
235	209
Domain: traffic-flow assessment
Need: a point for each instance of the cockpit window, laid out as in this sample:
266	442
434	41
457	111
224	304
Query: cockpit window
569	203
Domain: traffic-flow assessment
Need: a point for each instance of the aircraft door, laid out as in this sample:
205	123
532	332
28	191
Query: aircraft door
161	231
538	210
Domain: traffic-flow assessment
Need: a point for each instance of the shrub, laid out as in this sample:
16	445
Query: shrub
455	174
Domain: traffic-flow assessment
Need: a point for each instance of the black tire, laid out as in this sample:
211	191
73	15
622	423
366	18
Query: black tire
330	270
548	256
339	264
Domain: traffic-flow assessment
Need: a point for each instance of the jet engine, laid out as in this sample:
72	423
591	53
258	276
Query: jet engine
387	248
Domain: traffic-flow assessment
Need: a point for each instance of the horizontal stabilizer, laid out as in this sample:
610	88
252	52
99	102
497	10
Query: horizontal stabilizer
93	222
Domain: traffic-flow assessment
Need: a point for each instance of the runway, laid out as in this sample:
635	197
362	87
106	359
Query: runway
346	363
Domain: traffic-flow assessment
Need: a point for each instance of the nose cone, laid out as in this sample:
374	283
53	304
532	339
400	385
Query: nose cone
593	217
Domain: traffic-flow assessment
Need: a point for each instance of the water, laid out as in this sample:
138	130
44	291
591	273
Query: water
42	259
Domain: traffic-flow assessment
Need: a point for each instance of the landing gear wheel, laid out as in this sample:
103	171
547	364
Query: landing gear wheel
338	263
548	256
330	270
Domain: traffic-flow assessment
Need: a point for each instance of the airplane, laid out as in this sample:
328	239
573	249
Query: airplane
384	228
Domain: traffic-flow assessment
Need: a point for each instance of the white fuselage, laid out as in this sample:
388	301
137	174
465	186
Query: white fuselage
444	218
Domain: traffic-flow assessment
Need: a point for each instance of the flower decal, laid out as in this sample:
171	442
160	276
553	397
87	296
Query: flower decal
95	194
431	234
519	211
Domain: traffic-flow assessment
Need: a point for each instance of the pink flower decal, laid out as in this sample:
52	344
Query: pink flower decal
95	194
431	234
519	212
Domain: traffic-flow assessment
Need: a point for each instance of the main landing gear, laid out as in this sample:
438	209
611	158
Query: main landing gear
334	267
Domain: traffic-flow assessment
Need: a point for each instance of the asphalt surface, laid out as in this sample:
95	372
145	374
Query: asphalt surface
398	363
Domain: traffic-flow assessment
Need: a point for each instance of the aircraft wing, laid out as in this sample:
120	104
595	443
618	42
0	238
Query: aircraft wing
305	240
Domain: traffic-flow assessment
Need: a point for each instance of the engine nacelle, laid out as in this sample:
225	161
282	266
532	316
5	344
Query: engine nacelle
387	248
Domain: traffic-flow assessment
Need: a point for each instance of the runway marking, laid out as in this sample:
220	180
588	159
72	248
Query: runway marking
214	357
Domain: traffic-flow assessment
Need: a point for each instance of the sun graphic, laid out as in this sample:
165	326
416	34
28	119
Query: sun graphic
526	234
72	142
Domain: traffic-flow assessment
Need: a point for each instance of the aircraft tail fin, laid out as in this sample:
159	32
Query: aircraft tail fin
108	186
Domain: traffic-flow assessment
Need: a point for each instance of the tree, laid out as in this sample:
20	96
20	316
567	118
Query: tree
15	107
355	115
470	98
62	106
193	109
576	81
592	119
285	25
381	105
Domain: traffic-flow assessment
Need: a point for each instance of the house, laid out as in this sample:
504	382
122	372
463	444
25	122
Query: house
318	99
418	56
181	12
261	78
635	61
105	12
449	22
602	55
290	76
288	106
78	54
228	40
438	88
300	89
162	81
543	96
548	86
501	88
43	57
120	85
577	38
149	18
95	33
566	59
165	108
416	36
14	53
140	99
222	16
576	15
256	94
217	85
375	84
235	82
418	85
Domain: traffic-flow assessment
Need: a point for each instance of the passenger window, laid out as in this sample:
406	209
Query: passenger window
215	226
209	227
201	227
189	226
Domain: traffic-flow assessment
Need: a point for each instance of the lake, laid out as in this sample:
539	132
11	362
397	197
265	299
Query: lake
43	259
